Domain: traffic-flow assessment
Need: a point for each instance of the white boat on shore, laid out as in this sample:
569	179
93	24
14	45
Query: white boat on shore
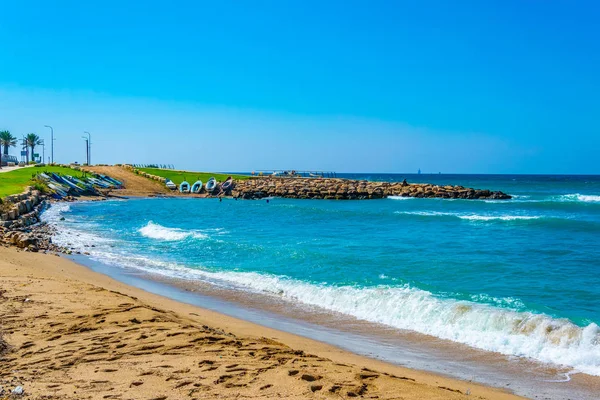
170	184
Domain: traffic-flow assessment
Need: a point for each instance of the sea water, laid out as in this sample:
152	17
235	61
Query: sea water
519	277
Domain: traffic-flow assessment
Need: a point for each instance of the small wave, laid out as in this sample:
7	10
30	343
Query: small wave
426	213
470	217
159	232
401	198
585	198
497	217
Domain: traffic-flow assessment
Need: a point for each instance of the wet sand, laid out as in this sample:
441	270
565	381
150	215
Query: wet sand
72	333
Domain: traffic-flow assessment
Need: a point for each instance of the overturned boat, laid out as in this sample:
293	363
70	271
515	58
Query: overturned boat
227	185
184	187
170	184
211	184
197	187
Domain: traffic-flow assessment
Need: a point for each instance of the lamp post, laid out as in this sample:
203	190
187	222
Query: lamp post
51	142
25	150
89	147
43	151
87	150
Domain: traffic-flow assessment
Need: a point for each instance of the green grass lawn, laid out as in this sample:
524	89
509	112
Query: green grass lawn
16	181
179	176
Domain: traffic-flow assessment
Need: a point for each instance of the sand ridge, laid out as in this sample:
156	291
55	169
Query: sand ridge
74	335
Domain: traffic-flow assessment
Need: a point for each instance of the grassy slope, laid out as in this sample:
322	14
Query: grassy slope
191	177
16	181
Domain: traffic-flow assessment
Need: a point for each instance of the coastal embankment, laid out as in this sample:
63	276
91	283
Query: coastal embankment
70	333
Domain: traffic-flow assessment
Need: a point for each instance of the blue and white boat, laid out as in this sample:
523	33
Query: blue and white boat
211	184
184	187
197	187
227	185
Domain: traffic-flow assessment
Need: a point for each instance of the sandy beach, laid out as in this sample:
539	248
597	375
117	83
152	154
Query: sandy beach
70	333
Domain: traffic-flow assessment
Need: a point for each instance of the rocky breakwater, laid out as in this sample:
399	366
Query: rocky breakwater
344	189
20	222
21	209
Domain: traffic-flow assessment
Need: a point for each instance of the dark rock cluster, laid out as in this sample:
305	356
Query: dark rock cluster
32	238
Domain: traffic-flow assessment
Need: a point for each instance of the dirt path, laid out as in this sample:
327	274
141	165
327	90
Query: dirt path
135	185
8	169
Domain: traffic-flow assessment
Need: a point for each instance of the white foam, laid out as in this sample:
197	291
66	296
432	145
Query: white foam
475	217
482	326
159	232
426	213
470	217
585	198
401	198
54	213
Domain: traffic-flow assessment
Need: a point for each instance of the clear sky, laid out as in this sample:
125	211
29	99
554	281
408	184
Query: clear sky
375	86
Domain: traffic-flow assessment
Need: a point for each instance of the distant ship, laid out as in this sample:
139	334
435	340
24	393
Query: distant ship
419	172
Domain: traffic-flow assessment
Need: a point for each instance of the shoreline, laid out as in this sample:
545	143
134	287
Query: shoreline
406	349
22	269
563	392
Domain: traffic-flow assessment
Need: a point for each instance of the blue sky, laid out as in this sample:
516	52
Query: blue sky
467	86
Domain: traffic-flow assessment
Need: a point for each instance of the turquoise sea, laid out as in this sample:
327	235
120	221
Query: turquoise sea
518	277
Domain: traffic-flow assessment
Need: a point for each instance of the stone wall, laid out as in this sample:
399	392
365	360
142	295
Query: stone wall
344	189
21	209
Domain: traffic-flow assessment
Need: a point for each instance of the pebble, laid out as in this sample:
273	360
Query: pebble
18	391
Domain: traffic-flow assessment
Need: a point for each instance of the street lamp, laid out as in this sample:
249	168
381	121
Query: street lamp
89	147
25	150
51	142
43	151
87	150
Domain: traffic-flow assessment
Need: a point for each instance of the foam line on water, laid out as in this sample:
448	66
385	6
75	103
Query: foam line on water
475	217
470	217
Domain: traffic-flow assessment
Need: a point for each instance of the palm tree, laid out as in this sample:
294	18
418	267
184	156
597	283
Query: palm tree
32	140
7	140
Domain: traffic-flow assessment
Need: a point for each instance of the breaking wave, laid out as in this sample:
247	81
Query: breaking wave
584	198
499	329
159	232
